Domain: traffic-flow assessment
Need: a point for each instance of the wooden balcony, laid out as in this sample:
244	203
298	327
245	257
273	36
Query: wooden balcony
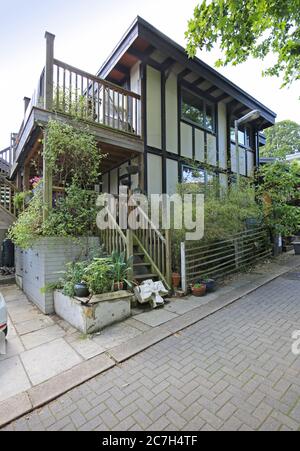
64	92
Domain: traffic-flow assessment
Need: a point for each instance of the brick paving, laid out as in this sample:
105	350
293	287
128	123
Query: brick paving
232	371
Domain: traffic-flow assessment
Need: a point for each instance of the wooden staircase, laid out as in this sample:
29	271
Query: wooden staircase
8	210
148	246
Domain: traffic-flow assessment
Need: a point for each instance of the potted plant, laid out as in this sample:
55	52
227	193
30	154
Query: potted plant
81	290
121	269
198	289
209	283
176	279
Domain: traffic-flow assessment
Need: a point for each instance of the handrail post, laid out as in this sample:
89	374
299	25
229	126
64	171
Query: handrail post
183	268
129	248
168	257
48	93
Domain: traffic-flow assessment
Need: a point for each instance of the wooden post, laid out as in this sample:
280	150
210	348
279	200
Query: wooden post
48	102
168	257
47	183
48	92
26	176
183	268
129	248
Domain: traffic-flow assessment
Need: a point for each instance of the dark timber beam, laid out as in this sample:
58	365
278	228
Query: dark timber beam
143	56
211	89
123	69
222	97
199	81
184	73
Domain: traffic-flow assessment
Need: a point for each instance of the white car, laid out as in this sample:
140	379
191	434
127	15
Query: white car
3	315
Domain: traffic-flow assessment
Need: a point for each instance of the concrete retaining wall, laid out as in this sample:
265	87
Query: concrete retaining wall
103	310
45	262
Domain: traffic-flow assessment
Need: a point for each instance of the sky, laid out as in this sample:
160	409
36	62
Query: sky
86	33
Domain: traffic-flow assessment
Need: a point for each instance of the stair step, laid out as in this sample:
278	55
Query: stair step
141	264
145	276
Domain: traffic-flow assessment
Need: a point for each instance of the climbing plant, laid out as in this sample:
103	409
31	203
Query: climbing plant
72	153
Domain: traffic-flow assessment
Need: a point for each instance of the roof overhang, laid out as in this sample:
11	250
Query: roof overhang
142	40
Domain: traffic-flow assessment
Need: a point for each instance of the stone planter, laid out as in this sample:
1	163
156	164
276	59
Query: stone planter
44	264
102	310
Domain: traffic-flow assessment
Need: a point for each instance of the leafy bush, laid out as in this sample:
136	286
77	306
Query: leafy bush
279	193
74	274
74	216
72	153
29	225
98	276
225	213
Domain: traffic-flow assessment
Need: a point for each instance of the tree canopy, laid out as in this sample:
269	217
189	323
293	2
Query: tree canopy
281	140
244	28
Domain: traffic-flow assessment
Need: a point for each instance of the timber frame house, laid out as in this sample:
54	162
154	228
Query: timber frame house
150	106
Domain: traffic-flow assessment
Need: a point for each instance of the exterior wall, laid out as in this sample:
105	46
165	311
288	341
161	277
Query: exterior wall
172	176
44	263
171	141
154	131
222	135
172	114
154	174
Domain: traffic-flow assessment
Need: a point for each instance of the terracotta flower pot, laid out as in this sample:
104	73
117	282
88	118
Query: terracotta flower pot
118	286
176	278
199	291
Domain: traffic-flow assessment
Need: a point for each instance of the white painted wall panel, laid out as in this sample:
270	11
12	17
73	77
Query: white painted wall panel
250	164
211	150
105	188
172	114
242	160
223	182
222	130
135	86
154	174
154	131
172	176
114	188
186	132
199	145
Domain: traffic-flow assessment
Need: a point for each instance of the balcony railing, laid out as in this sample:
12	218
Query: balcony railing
66	89
90	98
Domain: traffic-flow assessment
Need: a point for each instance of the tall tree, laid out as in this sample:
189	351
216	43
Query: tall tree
282	139
244	28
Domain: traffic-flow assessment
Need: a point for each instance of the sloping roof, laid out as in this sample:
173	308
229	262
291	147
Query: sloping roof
144	32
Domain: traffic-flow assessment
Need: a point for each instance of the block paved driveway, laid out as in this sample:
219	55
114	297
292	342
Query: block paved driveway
232	371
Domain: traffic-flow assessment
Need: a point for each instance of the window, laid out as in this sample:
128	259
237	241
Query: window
197	110
244	135
190	175
201	177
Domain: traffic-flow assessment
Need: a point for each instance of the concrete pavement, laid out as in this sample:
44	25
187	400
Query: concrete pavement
234	370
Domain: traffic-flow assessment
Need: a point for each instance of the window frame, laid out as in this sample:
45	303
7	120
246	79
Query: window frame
205	102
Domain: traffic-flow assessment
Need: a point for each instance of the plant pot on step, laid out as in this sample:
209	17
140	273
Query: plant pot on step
81	290
199	290
210	284
176	279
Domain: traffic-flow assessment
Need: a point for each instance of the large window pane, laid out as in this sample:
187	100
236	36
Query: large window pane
209	117
190	175
192	108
